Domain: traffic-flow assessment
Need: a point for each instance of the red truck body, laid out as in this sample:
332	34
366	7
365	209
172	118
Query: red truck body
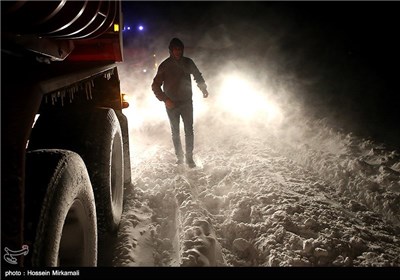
57	56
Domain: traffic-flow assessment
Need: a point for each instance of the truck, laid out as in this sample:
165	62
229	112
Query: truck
65	139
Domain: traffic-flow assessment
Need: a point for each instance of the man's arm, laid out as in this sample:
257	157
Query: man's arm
198	77
156	86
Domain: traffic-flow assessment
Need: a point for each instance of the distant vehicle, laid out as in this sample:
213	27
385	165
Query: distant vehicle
63	173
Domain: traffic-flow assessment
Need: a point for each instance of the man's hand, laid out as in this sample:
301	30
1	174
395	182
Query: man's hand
203	88
169	104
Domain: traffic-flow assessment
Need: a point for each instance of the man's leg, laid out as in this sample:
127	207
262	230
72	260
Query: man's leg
174	119
187	117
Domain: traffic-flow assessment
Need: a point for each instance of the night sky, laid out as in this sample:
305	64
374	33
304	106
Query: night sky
349	50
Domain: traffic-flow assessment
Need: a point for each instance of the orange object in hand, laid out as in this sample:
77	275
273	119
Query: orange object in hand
169	104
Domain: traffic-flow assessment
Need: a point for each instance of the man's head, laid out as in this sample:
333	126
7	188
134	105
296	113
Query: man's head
176	48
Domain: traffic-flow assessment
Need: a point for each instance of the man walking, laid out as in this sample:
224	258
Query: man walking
173	85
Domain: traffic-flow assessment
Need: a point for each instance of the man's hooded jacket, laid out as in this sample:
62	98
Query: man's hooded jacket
174	78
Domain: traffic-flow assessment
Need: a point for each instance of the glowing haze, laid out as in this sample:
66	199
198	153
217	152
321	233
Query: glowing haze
265	64
235	99
278	183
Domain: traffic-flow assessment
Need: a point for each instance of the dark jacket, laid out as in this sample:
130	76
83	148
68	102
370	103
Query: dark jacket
174	77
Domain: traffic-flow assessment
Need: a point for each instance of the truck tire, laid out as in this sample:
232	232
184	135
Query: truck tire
60	214
105	160
95	134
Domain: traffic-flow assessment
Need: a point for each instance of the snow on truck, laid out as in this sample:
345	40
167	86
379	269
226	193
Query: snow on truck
65	146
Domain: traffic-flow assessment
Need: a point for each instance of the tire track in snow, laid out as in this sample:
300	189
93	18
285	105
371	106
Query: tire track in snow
252	205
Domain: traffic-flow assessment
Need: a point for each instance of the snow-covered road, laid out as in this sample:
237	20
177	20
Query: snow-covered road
303	195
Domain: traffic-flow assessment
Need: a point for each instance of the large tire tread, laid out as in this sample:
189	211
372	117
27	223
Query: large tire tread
95	134
59	196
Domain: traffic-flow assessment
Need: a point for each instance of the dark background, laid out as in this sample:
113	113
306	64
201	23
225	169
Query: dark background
340	58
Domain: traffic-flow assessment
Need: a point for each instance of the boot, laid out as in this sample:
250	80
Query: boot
180	160
190	162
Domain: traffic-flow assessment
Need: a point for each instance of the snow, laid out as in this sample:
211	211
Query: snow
294	194
275	184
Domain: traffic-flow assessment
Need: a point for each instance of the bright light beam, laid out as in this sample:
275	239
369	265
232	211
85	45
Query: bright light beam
239	98
142	112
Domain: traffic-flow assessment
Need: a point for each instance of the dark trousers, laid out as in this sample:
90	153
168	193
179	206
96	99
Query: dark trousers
185	111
